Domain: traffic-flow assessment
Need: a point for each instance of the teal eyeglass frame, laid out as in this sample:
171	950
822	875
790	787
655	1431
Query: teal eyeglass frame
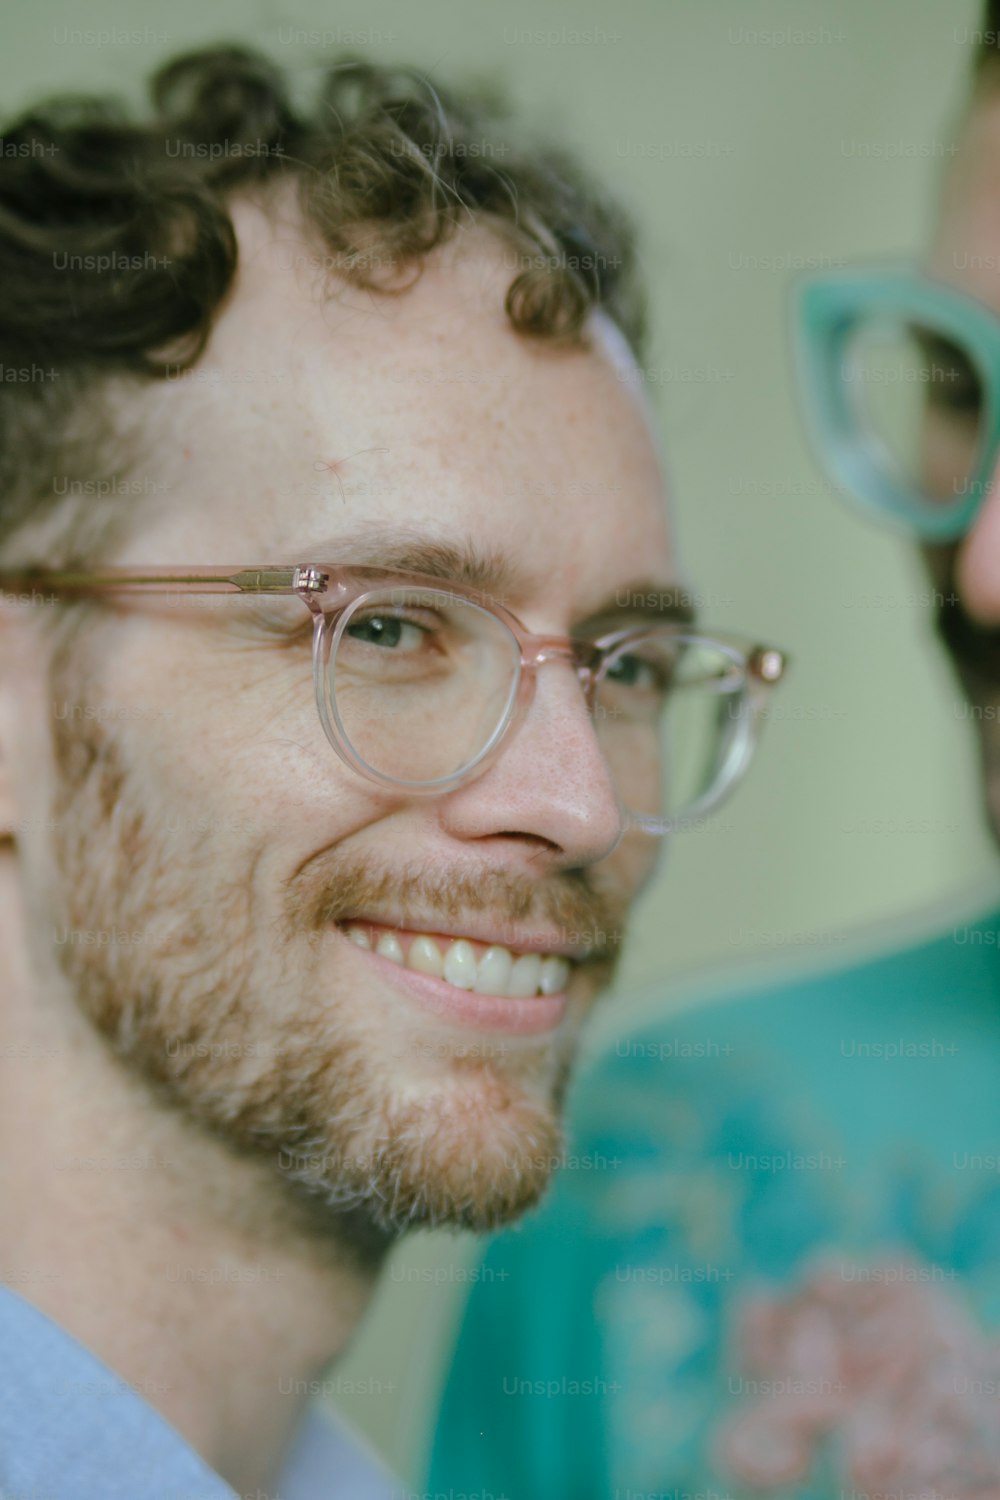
828	311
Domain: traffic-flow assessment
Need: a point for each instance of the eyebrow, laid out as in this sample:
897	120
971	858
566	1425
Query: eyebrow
490	571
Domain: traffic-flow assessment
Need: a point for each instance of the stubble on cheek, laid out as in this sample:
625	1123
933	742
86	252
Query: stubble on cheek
161	941
246	1028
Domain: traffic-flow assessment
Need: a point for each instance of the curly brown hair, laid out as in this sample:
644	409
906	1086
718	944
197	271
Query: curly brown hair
117	247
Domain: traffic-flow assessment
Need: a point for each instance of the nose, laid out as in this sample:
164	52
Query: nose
550	784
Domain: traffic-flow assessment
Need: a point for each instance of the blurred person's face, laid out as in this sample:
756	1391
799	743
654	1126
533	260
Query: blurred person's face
966	253
201	873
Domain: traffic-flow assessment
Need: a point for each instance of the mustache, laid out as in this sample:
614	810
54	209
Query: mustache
580	906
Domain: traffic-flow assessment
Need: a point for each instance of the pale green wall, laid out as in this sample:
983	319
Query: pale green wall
732	147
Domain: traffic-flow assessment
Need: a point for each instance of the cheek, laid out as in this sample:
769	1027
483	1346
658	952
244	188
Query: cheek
948	454
939	562
229	739
33	773
634	863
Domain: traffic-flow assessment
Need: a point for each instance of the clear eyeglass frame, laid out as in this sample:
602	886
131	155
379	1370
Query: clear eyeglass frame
829	312
334	592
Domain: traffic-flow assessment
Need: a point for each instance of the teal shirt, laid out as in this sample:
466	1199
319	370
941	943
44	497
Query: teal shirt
771	1261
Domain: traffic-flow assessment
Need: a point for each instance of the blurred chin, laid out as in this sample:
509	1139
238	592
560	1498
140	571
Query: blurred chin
989	747
980	683
974	652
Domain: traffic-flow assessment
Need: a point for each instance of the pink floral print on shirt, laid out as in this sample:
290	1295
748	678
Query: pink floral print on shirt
872	1375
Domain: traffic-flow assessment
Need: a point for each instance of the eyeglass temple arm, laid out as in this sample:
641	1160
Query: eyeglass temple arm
765	664
197	580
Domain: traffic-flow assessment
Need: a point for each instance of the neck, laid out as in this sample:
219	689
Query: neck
190	1272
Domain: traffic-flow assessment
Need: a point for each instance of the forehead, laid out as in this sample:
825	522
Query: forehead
319	406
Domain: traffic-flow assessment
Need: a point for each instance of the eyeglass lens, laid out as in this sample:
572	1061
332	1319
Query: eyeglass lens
920	401
421	683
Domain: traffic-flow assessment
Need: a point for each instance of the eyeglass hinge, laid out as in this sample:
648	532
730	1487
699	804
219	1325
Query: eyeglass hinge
311	580
767	664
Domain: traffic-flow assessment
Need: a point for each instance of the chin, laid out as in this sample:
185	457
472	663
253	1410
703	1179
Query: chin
991	787
984	709
420	1123
978	673
465	1144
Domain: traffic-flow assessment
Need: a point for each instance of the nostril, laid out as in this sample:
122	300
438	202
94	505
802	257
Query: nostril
538	845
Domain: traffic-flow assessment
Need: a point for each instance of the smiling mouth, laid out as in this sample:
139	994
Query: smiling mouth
464	963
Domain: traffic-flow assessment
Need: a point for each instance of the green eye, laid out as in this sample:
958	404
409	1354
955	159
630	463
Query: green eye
391	632
632	670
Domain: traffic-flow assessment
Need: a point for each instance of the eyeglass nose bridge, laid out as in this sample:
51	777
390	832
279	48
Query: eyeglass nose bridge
583	656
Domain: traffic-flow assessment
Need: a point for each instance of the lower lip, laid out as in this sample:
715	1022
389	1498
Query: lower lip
466	1007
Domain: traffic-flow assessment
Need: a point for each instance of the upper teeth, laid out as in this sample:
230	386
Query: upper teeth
497	972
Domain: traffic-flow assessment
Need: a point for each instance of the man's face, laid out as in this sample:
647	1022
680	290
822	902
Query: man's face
966	252
195	853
